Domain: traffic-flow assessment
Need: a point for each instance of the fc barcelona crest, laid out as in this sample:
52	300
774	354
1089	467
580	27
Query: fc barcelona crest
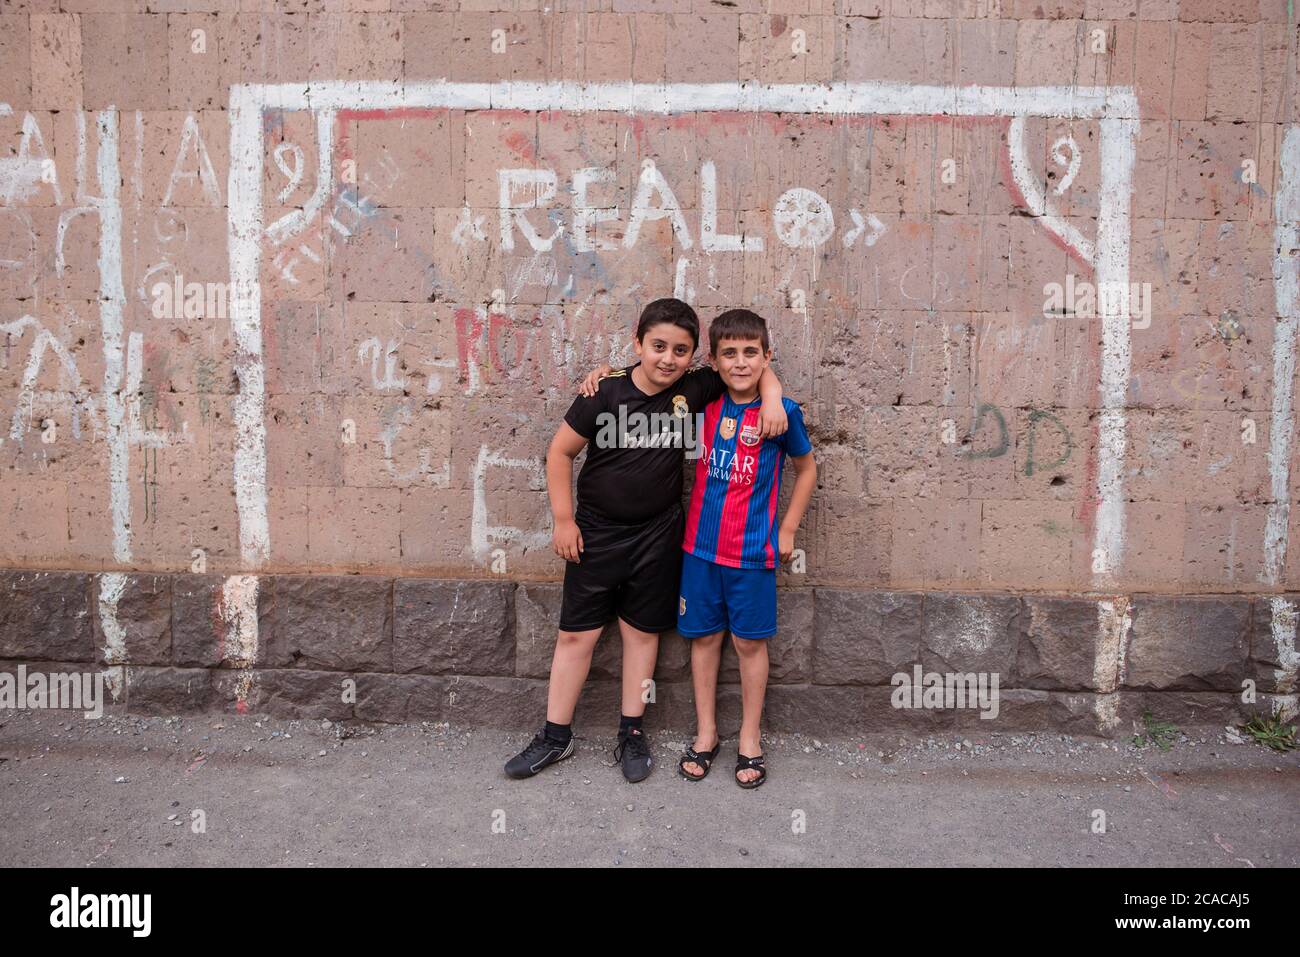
749	435
728	428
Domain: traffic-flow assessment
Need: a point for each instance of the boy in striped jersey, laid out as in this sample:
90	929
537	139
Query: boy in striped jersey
733	541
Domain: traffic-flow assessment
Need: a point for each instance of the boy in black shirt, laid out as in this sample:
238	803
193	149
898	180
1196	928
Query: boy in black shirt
622	544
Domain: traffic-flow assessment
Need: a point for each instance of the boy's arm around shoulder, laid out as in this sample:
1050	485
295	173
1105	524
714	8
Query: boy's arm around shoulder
566	538
772	420
591	384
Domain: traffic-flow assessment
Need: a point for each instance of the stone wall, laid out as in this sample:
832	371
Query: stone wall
294	292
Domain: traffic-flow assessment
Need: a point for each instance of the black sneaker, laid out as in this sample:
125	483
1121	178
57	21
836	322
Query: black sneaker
634	752
540	753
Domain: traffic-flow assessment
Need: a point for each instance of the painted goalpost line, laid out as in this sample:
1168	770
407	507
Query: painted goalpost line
1115	108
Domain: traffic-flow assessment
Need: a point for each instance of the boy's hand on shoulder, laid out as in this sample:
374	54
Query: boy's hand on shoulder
785	545
772	420
589	385
567	540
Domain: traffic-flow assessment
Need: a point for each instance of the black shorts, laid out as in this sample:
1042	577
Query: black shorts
633	572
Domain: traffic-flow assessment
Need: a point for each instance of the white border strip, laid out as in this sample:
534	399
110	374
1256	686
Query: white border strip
244	189
892	99
1118	153
1286	291
112	301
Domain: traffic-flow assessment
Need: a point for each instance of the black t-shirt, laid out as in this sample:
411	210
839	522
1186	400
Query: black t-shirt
633	471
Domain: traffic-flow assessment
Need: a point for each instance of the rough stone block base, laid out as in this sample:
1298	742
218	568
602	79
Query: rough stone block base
478	653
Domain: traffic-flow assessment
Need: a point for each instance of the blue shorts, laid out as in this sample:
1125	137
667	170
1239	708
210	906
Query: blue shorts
717	598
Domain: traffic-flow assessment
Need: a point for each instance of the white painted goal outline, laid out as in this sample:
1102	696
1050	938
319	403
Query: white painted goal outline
1115	108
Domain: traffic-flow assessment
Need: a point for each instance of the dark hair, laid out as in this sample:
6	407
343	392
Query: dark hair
672	312
737	324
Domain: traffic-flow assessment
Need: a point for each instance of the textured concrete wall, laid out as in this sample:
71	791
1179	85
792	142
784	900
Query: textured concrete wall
400	229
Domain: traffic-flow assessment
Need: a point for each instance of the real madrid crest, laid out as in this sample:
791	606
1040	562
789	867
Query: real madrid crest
728	427
680	408
749	435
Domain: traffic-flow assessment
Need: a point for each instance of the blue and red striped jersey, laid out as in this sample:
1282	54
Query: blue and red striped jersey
732	517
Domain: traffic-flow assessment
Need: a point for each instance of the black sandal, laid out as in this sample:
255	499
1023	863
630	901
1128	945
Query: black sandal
704	759
744	763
